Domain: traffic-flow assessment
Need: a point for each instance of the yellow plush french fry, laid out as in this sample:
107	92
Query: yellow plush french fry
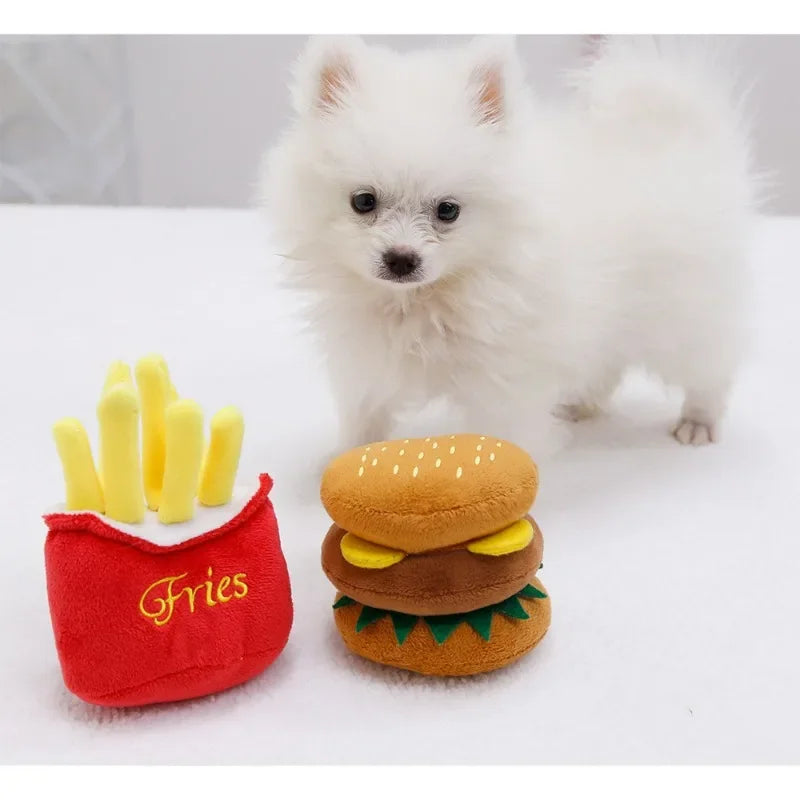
172	392
82	484
153	383
222	458
184	454
118	415
118	372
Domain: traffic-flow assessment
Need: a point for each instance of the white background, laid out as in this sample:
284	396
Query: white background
204	107
183	120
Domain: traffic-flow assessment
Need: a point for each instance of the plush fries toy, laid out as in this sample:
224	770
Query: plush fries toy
434	555
165	579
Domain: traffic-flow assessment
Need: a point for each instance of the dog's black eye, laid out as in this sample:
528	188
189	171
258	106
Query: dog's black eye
363	202
448	212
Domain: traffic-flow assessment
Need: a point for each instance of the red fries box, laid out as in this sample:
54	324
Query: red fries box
137	622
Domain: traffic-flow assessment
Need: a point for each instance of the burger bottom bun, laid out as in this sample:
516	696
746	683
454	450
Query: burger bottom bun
463	653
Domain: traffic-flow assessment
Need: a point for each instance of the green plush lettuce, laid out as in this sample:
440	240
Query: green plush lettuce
443	625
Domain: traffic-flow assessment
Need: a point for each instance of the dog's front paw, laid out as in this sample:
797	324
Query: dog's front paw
689	431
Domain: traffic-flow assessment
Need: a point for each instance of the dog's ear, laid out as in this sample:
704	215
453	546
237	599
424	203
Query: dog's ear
325	74
495	71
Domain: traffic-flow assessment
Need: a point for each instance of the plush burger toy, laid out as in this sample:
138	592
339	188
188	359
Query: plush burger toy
434	555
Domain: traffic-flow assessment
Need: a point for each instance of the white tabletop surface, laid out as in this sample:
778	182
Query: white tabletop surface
674	572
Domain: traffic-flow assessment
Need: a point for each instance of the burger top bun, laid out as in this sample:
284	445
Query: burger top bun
421	494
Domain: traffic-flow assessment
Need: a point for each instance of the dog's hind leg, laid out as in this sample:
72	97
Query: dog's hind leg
590	401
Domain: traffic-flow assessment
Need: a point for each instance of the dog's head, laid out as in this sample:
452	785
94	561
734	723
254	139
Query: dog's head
402	168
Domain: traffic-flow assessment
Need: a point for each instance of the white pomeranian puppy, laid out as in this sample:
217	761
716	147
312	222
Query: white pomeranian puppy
460	240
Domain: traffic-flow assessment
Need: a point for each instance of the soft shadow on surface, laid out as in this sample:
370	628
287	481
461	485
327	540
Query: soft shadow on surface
228	701
619	456
620	451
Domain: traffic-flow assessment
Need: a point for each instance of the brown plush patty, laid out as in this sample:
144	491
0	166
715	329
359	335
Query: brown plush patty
463	653
447	582
420	494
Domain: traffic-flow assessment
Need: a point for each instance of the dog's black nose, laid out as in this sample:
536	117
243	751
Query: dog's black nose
401	262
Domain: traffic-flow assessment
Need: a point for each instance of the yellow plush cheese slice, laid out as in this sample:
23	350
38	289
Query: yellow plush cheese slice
509	540
366	555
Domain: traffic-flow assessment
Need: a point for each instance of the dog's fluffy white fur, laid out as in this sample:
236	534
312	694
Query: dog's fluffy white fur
605	232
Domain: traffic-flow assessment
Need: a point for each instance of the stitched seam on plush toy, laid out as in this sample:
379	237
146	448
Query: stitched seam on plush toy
415	595
486	500
82	523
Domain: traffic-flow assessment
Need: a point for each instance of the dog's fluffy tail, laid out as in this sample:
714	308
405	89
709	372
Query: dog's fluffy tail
649	92
663	82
